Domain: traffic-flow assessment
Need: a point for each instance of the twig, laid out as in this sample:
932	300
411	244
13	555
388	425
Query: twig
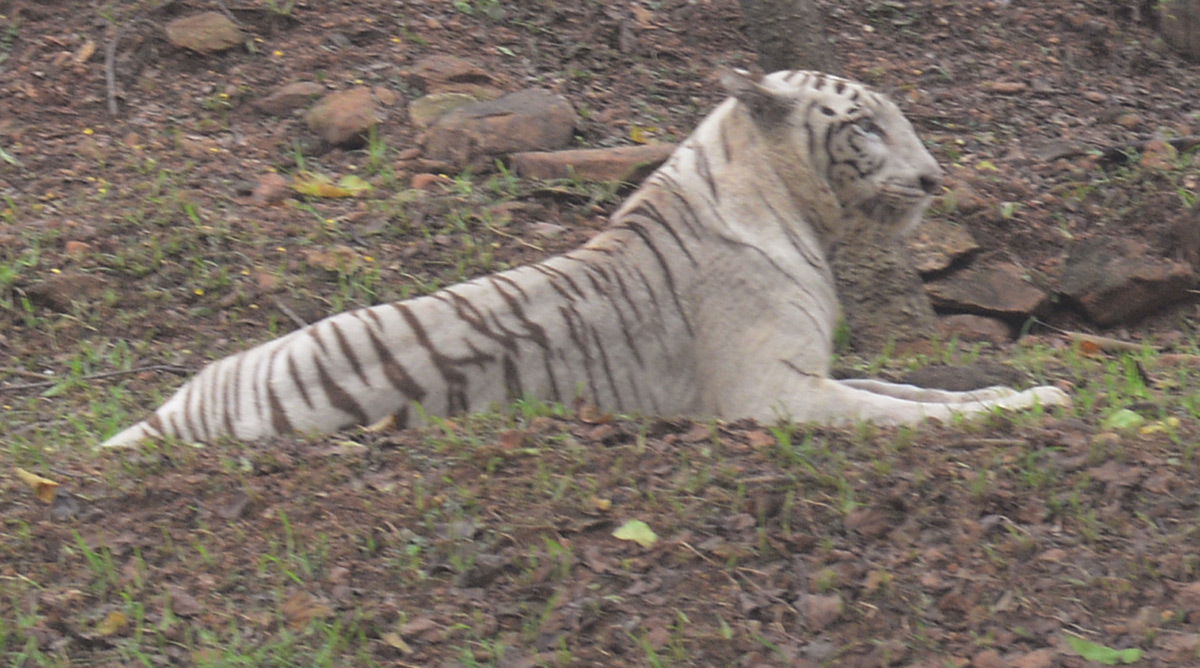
1103	342
110	74
183	371
228	14
283	308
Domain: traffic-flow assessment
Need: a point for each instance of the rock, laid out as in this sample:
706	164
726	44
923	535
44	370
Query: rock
77	248
208	32
424	180
973	328
290	97
938	244
1006	87
820	611
450	74
423	111
270	188
1179	23
59	290
528	120
988	658
1116	281
624	163
999	290
344	118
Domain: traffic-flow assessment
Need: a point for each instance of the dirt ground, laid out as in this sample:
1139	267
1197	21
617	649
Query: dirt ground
132	251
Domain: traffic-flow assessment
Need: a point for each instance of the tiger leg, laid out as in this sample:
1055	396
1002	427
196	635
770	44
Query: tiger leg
833	402
916	393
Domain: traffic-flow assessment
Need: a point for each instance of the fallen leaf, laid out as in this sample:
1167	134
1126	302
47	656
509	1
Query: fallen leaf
638	532
1101	654
1122	420
85	52
393	639
43	488
115	621
320	185
301	608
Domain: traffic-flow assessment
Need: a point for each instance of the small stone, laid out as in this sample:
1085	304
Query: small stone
289	97
424	181
1129	121
344	118
450	74
208	32
821	611
1095	96
630	164
528	120
937	244
546	230
1007	87
988	658
77	248
424	110
270	188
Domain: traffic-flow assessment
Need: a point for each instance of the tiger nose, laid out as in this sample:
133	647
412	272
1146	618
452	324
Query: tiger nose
931	183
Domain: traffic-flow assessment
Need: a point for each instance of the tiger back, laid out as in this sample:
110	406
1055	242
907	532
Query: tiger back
710	294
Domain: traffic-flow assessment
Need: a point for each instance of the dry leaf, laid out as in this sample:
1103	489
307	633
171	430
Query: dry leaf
43	488
320	185
85	52
393	639
115	621
301	608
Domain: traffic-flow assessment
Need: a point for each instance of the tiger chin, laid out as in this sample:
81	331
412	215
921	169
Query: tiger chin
709	295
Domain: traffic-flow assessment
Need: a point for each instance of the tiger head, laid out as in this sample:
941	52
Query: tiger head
852	138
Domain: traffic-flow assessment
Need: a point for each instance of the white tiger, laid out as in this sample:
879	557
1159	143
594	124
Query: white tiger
709	295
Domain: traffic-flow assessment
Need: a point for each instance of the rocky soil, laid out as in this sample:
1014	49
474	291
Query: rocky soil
172	192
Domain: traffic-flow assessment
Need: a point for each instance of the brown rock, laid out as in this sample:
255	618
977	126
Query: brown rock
988	658
424	180
1115	281
973	328
77	248
625	163
450	74
999	290
937	244
270	188
289	97
1007	87
821	611
528	120
423	111
208	32
344	118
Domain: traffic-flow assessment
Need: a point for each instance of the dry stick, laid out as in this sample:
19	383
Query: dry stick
1103	342
110	74
183	371
283	308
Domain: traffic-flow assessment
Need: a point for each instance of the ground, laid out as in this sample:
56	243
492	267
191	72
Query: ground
132	252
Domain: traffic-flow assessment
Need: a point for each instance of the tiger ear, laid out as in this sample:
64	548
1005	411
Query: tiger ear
766	104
